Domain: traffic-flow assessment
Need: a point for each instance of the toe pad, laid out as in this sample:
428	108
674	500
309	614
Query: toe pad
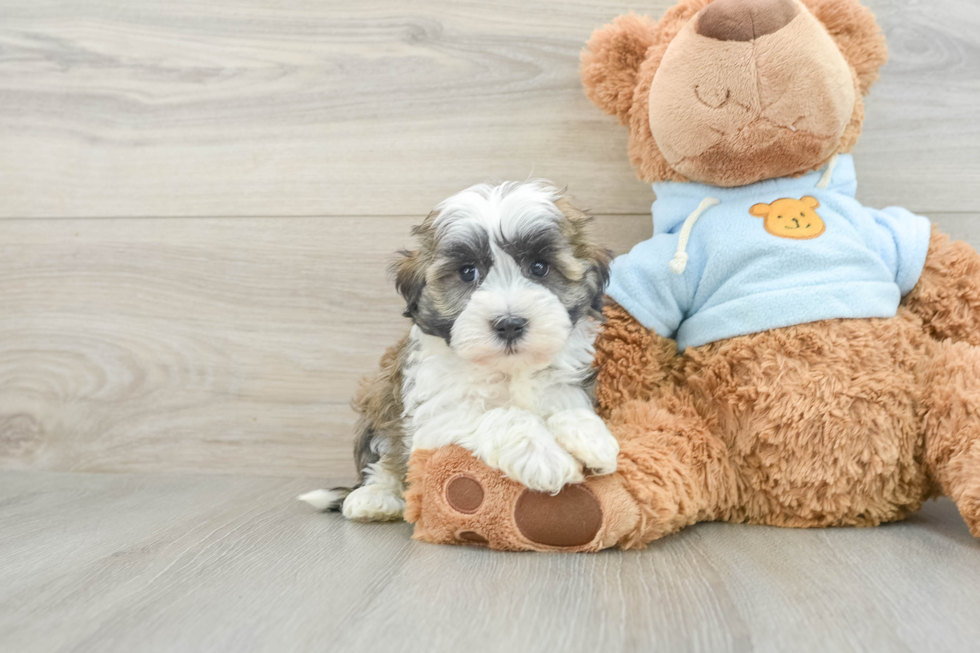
464	494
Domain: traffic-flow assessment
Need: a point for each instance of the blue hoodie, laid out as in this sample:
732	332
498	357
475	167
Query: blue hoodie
772	254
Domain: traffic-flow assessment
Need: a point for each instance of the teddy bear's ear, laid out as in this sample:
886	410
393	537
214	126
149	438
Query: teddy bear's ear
857	34
611	60
760	210
812	202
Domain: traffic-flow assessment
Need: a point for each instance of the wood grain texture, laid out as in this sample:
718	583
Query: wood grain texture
227	346
142	563
319	107
210	345
230	336
224	183
219	345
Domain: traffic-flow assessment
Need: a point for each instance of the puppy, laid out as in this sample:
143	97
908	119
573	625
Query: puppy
505	296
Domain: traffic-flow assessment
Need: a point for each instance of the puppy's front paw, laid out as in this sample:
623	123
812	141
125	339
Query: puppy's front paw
373	503
584	435
540	464
519	444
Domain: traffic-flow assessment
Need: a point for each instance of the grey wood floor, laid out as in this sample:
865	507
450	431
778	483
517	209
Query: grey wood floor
141	563
197	204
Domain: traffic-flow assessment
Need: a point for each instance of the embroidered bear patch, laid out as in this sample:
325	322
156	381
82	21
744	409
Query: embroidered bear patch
789	218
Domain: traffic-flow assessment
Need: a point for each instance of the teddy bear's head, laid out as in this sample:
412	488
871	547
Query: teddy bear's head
730	92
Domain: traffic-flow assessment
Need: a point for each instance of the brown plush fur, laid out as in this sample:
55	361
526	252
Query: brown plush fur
833	423
947	295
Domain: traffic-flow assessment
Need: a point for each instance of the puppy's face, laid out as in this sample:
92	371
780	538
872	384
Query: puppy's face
504	273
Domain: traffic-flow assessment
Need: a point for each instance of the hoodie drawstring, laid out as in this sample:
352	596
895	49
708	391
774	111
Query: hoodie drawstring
829	173
678	264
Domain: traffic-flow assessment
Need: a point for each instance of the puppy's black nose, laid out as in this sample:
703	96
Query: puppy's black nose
510	328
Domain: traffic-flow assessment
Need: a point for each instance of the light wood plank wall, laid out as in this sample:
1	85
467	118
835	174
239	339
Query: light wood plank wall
198	200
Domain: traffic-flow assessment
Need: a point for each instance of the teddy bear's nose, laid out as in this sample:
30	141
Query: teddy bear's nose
745	20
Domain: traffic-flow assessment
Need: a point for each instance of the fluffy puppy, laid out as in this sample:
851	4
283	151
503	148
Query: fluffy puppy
505	295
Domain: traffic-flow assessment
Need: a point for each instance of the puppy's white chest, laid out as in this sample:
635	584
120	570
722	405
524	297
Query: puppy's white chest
443	381
448	399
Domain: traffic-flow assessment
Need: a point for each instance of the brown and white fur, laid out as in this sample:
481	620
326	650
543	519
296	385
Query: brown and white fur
505	295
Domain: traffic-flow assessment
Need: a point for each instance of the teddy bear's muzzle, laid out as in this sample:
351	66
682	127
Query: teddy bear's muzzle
750	90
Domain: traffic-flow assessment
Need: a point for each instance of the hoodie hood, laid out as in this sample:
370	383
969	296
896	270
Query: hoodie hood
676	199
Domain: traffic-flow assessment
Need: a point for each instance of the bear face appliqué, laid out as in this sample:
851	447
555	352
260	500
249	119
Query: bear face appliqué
790	218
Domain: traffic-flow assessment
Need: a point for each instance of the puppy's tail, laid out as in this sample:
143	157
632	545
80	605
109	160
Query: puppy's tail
327	500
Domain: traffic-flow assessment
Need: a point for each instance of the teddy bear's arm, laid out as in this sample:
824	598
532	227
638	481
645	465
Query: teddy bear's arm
947	296
632	361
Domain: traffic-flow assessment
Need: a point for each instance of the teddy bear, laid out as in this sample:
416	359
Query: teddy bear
776	353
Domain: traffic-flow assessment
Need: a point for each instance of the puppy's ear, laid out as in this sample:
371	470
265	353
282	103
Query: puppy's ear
601	258
585	249
857	33
410	267
611	60
409	279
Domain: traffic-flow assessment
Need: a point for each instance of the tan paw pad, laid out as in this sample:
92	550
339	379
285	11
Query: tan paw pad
570	518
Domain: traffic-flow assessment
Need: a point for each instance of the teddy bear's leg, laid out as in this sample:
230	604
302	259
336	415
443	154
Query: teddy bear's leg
947	296
456	498
678	472
672	472
952	425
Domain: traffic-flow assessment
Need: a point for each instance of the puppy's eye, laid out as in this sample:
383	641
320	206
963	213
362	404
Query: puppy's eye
469	274
540	269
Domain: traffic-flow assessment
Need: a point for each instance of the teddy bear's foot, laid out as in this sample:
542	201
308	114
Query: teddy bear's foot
952	425
455	498
971	514
968	498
